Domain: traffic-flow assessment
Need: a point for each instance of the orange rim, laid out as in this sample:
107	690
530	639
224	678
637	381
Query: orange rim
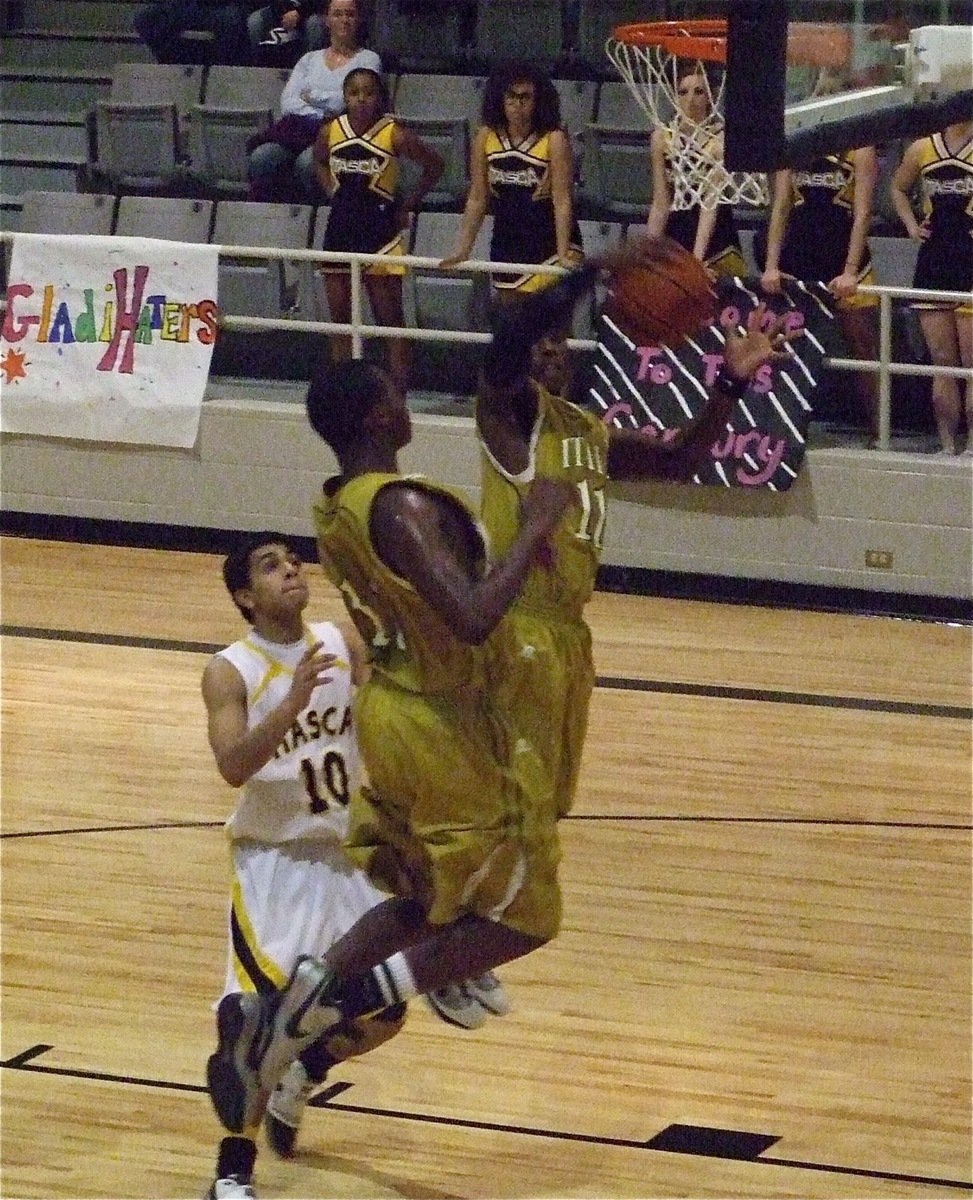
705	40
808	43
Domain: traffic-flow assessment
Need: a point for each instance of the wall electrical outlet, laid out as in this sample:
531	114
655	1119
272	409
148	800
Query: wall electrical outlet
880	560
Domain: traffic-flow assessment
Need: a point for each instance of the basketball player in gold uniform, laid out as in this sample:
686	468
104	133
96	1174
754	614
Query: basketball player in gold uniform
544	672
460	819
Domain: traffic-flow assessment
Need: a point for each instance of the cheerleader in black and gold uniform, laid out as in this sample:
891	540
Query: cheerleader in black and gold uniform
357	163
818	232
944	165
522	171
710	234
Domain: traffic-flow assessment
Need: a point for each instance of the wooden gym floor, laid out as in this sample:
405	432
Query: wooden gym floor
762	987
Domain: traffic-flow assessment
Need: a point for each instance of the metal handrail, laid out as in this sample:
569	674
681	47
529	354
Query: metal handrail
358	326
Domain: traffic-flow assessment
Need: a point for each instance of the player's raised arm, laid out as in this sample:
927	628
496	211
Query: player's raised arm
239	751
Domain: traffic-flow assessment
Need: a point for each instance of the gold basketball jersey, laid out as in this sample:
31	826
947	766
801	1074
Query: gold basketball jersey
409	643
567	443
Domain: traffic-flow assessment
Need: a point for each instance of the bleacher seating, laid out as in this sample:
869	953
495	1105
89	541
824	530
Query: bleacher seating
237	103
617	182
255	287
618	108
443	110
578	99
521	29
67	212
597	19
446	301
175	219
141	130
422	39
456	300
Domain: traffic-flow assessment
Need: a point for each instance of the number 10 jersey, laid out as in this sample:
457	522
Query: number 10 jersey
303	790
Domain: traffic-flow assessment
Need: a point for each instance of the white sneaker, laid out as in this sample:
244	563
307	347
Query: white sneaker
488	992
456	1006
231	1188
286	1107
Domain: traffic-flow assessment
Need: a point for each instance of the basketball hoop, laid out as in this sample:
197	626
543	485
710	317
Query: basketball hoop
651	58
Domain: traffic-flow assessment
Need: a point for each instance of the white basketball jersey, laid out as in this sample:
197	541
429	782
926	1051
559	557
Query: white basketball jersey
303	791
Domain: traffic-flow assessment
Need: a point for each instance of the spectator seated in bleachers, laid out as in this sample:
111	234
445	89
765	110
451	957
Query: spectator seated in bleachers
282	32
281	162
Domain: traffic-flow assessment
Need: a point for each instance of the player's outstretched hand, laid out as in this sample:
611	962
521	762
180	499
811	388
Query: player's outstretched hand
746	353
309	673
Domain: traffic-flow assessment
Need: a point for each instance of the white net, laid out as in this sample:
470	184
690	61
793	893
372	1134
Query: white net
695	148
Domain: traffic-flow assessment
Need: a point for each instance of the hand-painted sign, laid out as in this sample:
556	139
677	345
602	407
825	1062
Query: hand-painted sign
107	338
658	389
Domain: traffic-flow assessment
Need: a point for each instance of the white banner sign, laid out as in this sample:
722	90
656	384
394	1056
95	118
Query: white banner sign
107	338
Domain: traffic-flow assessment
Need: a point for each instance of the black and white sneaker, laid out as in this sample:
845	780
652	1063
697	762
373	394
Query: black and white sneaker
286	1107
456	1006
488	992
232	1074
259	1037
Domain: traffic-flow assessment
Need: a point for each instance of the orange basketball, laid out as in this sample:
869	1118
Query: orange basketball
662	302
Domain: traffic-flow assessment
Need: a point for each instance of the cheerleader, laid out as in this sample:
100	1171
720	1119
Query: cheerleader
356	156
943	163
818	232
708	233
521	170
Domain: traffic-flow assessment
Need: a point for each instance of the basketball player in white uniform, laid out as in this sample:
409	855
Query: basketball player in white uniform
278	706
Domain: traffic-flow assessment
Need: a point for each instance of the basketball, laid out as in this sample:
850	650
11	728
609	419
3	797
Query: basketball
661	302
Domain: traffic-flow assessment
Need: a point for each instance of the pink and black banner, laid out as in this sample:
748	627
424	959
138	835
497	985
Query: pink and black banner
658	389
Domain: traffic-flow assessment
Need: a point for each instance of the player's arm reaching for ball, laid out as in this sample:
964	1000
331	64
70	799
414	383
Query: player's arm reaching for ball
241	752
507	399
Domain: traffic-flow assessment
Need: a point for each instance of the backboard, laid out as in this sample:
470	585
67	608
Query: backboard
895	69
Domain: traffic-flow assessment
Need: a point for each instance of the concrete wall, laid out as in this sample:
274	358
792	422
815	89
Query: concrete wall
256	465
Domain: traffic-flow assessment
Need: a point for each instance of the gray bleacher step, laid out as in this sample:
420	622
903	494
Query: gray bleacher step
39	175
10	212
31	89
31	138
72	50
94	15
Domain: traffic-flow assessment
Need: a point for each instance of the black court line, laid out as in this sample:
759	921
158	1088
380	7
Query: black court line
664	686
836	822
108	639
778	697
690	1139
576	818
35	833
